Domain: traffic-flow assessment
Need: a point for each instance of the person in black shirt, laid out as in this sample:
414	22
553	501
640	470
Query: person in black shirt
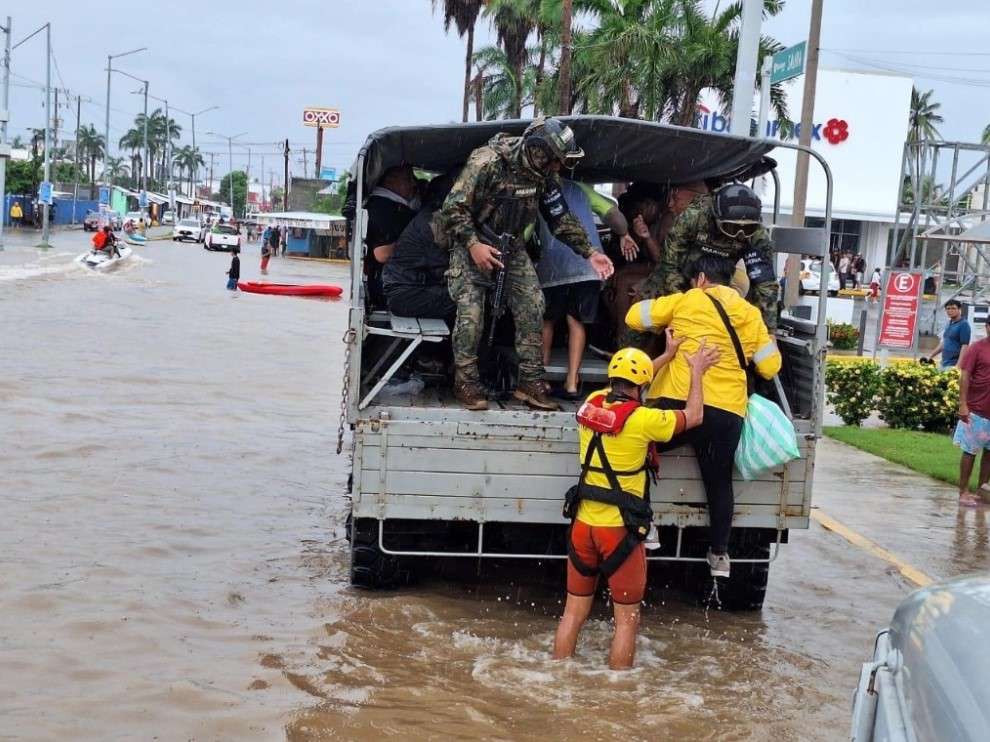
391	206
235	270
413	278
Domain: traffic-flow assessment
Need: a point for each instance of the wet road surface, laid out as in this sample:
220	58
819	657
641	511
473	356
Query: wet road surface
172	562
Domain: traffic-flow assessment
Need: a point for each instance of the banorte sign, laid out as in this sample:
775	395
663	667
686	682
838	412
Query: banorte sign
834	131
324	118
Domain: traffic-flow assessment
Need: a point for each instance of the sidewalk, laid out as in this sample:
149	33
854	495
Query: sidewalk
909	514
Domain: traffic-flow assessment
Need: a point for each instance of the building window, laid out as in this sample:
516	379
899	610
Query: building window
845	234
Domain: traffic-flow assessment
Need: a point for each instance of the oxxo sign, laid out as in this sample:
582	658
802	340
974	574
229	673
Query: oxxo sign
324	118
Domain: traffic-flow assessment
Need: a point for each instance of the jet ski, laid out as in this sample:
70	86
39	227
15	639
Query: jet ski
103	260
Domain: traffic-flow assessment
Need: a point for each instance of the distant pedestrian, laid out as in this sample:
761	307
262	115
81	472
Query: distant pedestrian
234	274
955	337
973	429
266	254
875	285
16	214
283	236
859	267
843	270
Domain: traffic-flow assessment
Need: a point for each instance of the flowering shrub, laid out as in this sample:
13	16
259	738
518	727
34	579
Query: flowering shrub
843	335
852	389
913	396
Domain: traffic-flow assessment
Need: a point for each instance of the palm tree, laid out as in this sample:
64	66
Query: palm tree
924	115
188	158
91	145
114	168
463	14
134	141
17	142
500	89
985	139
514	20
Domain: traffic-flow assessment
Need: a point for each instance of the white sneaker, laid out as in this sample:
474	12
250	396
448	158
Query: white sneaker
652	540
718	564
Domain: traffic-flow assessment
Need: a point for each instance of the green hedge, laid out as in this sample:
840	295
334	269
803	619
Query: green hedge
906	395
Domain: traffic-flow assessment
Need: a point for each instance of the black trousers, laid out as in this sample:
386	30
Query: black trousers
424	302
714	443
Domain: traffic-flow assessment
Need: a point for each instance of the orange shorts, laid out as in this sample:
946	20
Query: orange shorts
593	544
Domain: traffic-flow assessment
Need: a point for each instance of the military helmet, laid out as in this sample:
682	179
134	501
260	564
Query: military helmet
631	364
546	139
738	211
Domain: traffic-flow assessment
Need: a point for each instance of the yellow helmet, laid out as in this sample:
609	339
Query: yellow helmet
631	364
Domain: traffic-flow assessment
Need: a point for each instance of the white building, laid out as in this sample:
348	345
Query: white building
860	126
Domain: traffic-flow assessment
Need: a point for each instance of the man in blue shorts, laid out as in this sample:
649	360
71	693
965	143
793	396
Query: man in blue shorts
973	429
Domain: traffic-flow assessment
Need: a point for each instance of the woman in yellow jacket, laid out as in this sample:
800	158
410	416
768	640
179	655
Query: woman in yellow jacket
694	317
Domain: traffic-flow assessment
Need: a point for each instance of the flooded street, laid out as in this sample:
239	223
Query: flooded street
173	563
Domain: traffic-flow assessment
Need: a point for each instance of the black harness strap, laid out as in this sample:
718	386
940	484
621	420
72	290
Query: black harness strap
636	512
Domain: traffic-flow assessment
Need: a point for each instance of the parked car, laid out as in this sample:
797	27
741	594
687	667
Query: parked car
92	221
222	238
811	277
136	216
927	679
116	221
168	218
187	229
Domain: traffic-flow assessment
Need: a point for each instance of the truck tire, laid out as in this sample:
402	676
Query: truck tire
371	568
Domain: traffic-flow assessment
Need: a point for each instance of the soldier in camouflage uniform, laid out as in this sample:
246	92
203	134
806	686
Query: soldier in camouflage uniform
502	187
725	223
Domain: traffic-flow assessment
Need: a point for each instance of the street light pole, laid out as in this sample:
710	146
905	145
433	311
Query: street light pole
749	47
144	170
45	226
230	156
8	30
106	127
195	162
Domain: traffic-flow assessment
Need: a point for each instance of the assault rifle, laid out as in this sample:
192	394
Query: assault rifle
496	294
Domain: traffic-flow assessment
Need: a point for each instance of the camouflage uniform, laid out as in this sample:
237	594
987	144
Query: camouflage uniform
498	189
695	233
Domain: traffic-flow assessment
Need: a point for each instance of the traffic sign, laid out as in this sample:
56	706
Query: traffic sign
900	310
45	192
788	63
328	173
143	200
324	118
104	195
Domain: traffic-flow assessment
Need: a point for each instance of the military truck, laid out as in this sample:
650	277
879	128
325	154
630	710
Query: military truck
431	481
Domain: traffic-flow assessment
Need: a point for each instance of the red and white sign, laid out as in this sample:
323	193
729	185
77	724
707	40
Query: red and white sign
900	310
324	118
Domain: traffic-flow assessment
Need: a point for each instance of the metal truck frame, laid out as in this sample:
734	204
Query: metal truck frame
429	479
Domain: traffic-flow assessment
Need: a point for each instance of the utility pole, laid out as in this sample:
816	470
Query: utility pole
230	155
75	184
749	47
305	163
285	187
55	123
4	155
209	186
565	57
793	265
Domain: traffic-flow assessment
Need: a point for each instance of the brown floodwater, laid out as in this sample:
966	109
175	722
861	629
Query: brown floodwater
172	560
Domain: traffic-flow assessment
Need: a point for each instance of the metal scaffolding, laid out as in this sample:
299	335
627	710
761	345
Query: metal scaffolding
937	228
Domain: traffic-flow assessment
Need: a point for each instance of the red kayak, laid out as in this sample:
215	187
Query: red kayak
290	289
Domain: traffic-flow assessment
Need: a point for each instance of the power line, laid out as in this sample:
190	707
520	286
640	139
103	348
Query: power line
912	52
949	79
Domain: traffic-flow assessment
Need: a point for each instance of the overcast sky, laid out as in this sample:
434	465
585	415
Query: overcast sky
388	62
